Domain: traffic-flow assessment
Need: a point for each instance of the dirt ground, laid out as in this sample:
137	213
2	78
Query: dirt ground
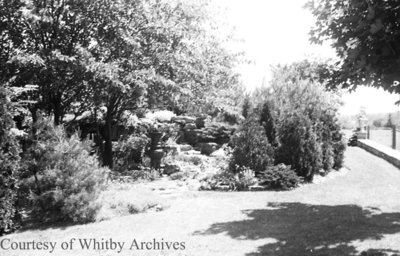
342	214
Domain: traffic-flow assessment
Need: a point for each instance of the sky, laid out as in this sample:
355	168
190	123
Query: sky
276	31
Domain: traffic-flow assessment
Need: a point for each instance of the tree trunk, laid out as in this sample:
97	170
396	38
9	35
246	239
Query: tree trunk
57	112
107	153
33	111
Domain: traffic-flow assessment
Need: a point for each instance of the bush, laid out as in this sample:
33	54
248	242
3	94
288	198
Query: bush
268	122
129	152
239	181
339	147
67	180
251	148
299	145
279	177
9	164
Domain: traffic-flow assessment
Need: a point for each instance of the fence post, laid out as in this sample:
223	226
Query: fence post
394	136
368	132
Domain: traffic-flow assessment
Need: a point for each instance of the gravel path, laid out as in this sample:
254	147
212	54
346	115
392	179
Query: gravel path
342	214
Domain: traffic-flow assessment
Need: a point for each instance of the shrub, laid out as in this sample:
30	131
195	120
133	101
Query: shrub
129	152
279	177
299	145
68	179
339	147
268	122
239	181
9	164
251	148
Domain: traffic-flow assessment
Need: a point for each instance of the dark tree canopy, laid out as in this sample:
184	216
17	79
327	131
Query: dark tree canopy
366	36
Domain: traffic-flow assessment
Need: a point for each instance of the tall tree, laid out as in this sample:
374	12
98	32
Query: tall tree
365	35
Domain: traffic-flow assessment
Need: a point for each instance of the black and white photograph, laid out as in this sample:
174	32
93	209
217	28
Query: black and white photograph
200	127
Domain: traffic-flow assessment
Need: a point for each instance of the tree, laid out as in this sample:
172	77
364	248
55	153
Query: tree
46	52
307	125
9	163
109	57
246	106
251	147
267	120
365	35
377	123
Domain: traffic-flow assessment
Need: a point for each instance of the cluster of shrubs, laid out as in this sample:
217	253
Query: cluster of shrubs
289	138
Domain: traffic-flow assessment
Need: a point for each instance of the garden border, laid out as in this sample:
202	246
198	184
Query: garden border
390	155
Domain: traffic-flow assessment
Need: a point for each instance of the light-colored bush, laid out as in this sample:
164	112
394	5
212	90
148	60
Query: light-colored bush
68	179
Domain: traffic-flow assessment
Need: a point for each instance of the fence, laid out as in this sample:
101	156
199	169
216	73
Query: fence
389	137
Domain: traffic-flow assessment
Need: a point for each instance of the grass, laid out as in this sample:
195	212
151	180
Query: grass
123	199
345	215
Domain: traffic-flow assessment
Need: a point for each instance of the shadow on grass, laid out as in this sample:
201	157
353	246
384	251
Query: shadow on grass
302	229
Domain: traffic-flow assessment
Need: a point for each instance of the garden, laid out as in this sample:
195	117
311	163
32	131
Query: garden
118	113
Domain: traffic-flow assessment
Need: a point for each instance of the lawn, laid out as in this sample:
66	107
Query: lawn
344	214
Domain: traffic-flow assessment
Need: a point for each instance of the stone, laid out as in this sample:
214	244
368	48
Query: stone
207	138
200	122
192	152
257	188
191	137
219	153
174	149
185	147
183	119
190	126
171	168
177	175
208	148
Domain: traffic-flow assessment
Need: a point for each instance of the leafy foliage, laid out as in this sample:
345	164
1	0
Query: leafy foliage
267	120
365	35
9	164
239	181
65	178
299	145
251	147
130	151
279	177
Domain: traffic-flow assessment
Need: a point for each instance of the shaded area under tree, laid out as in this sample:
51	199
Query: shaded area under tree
303	229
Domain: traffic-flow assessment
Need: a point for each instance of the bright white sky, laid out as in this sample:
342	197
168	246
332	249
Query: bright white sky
276	31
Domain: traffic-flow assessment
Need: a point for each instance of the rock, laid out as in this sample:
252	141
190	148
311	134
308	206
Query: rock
207	148
185	147
200	122
190	126
171	168
257	188
174	149
192	152
207	138
177	175
191	137
222	187
219	153
183	119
